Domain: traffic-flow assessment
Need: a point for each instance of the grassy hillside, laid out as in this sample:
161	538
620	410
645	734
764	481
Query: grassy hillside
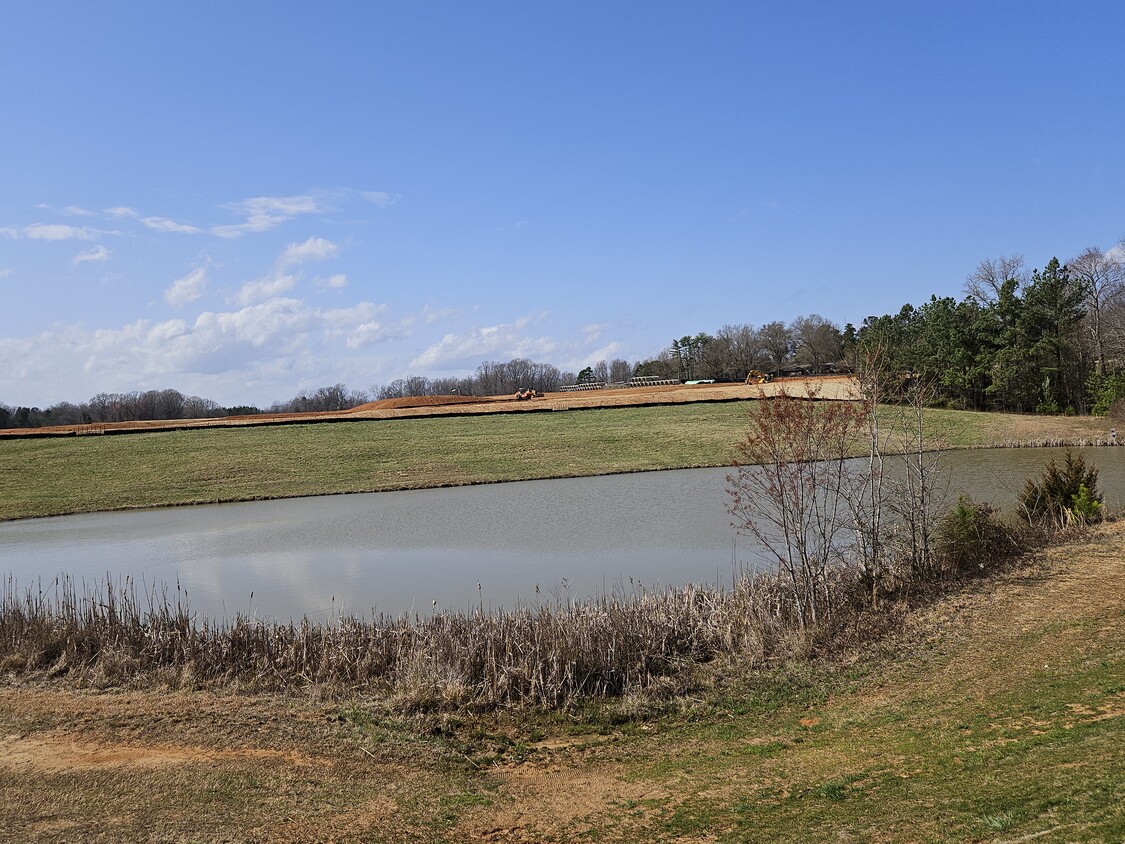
996	715
40	477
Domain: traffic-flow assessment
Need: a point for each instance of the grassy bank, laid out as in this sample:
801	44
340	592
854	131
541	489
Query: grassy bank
993	715
44	477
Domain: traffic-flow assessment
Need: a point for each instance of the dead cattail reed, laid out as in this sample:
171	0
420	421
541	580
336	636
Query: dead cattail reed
114	634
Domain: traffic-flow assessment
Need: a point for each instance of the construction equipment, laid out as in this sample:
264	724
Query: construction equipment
524	395
756	376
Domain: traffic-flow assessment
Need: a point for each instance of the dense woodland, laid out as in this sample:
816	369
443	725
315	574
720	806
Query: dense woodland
1048	340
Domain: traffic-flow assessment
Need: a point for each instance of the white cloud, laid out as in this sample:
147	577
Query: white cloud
606	352
121	211
265	288
336	282
378	197
163	224
187	289
96	255
313	249
77	211
1116	253
255	354
505	341
263	213
5	272
54	231
370	333
431	314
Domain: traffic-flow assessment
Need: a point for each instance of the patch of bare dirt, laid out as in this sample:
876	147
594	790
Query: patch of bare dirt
558	799
421	401
55	754
161	766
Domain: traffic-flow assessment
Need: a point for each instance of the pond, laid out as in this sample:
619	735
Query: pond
393	552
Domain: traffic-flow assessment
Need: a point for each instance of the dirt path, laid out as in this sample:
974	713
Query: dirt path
987	675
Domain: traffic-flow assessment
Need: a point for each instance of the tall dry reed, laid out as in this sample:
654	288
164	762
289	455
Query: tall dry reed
115	634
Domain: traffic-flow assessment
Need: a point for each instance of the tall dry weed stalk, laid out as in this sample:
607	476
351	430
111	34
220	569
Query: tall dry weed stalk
114	635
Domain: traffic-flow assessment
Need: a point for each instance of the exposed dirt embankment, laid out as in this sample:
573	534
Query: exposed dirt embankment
834	387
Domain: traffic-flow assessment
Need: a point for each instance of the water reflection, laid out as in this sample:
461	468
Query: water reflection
401	552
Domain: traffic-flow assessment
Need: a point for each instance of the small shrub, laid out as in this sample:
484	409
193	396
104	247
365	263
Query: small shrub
1063	496
971	536
1085	507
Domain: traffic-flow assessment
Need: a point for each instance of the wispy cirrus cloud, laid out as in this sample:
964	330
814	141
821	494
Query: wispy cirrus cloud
91	256
163	224
52	232
258	214
263	213
377	197
188	288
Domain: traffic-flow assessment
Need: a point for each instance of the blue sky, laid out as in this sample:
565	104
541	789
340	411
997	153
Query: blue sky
244	200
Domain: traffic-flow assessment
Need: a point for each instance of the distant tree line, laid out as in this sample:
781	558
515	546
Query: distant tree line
810	343
1048	341
114	407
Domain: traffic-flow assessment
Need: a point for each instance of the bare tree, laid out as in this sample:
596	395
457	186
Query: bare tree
741	350
915	500
1102	276
818	341
196	407
867	492
789	491
171	404
776	341
985	282
620	370
64	413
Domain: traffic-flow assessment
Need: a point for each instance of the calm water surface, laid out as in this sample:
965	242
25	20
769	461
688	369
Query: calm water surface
396	552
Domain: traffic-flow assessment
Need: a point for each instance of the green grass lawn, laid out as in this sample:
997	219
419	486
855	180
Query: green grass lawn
41	477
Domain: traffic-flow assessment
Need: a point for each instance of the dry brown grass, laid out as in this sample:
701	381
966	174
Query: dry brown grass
546	656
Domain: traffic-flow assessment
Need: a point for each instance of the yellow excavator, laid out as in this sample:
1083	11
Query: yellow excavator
756	376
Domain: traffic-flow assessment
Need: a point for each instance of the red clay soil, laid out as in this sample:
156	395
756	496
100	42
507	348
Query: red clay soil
822	387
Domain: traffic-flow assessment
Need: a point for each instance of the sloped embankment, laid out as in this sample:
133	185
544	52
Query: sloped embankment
997	716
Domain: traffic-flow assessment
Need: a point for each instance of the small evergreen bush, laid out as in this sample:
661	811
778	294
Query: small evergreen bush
973	537
1063	496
